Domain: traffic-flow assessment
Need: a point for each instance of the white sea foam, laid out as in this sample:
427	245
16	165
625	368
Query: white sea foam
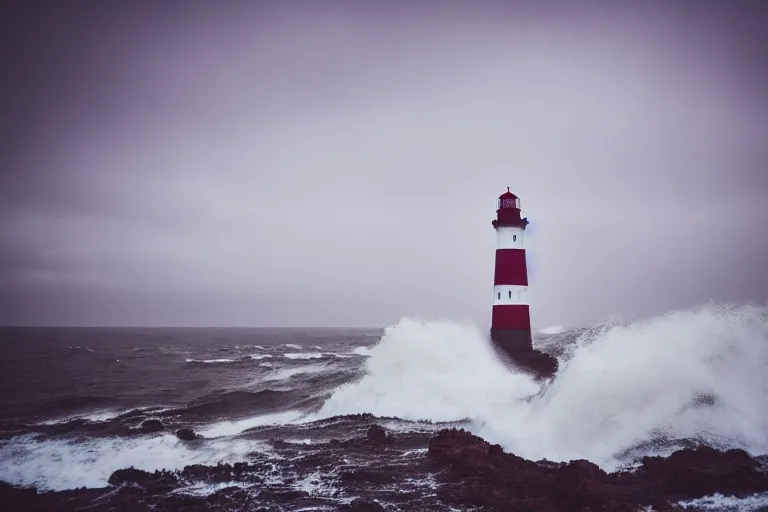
203	489
718	502
229	428
303	355
362	351
260	356
317	483
95	416
209	361
101	415
287	373
299	441
66	464
555	329
293	346
439	371
623	383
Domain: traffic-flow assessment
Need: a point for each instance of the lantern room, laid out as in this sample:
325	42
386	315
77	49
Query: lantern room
508	200
508	211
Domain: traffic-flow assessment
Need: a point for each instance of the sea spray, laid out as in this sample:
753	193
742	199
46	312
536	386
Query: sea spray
56	464
438	371
622	382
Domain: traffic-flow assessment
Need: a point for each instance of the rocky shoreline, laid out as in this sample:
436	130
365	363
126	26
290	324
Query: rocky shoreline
413	471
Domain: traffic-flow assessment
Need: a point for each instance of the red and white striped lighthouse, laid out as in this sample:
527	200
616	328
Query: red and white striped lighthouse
511	322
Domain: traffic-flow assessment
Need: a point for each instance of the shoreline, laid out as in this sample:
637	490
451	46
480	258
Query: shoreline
413	471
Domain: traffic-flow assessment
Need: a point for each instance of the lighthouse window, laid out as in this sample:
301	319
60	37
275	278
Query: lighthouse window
510	294
498	295
514	238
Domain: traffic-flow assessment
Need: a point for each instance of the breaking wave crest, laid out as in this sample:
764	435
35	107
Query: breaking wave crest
699	373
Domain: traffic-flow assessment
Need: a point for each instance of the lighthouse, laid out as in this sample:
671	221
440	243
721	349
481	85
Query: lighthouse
511	320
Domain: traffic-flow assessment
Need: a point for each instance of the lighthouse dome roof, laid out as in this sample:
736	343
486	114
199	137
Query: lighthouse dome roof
507	195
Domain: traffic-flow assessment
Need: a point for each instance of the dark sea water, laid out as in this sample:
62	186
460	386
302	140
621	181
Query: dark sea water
51	373
74	402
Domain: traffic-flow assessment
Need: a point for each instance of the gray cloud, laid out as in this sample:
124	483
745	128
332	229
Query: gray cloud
338	165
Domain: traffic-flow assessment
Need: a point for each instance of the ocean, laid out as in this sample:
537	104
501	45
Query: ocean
74	403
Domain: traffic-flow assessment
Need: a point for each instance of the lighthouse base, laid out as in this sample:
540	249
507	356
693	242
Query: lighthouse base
513	340
515	347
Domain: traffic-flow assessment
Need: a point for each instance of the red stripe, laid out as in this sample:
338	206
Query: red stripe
511	316
510	267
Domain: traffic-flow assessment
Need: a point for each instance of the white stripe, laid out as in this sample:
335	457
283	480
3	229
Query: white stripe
509	237
510	294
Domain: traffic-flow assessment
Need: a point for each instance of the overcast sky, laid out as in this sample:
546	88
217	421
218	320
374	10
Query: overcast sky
321	164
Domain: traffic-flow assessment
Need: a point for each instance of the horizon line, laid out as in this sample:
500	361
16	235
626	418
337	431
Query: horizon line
140	326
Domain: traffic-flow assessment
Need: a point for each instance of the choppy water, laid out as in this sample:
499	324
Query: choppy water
72	400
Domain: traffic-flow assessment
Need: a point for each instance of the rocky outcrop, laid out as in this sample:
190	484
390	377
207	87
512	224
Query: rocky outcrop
363	505
702	471
186	434
376	471
377	435
477	473
156	482
152	425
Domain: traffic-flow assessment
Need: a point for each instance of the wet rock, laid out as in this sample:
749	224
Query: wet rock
129	475
476	473
222	472
574	486
702	471
459	470
480	474
18	498
152	425
156	482
377	434
365	475
186	434
29	499
282	495
362	505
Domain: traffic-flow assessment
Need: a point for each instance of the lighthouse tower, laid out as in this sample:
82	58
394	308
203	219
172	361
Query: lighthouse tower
511	322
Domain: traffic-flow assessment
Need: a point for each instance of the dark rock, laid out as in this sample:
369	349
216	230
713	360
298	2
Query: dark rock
186	434
152	425
469	473
573	486
283	496
476	473
129	475
156	482
363	505
377	434
222	472
365	475
19	498
702	471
